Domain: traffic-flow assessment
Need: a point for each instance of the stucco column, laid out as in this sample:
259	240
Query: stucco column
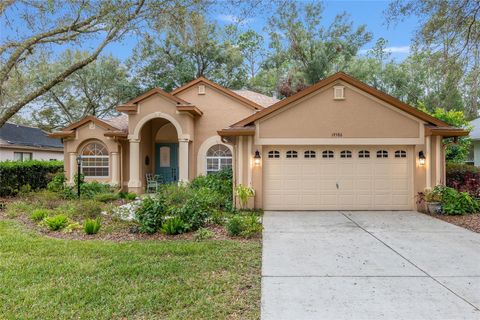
438	160
183	159
115	168
134	184
73	168
428	161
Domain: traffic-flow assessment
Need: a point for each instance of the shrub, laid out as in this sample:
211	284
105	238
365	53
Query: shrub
464	178
150	214
58	182
57	222
199	207
453	202
245	226
219	182
203	234
130	196
89	189
244	193
35	173
106	197
92	226
88	208
235	226
39	214
174	225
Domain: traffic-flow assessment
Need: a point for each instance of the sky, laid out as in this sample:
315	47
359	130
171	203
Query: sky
370	13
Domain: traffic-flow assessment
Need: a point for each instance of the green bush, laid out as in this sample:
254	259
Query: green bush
203	234
57	222
106	197
150	214
39	214
92	226
88	190
37	174
245	226
58	182
130	196
219	182
199	207
174	225
453	202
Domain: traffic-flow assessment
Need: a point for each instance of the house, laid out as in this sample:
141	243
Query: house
474	157
21	143
338	144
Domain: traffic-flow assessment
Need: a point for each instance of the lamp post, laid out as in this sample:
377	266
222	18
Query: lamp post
79	174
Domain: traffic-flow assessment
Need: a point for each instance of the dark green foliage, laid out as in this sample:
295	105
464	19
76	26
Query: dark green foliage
39	214
246	226
92	226
90	189
106	197
150	215
58	182
174	225
88	208
130	196
454	202
57	222
37	174
220	182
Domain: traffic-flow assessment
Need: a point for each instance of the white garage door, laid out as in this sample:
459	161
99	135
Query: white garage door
338	178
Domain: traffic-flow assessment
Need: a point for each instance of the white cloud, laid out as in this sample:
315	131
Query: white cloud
230	18
399	49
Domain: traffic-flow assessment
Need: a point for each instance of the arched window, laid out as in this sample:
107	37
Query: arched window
95	160
274	154
345	154
292	154
400	154
364	154
310	154
327	154
382	154
218	158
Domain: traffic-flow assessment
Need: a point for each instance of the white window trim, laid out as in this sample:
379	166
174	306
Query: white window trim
202	153
96	157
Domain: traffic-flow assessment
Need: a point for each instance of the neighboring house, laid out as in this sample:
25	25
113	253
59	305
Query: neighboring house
474	157
338	144
21	143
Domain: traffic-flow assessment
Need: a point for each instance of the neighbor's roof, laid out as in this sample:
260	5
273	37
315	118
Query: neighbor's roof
261	99
18	135
475	133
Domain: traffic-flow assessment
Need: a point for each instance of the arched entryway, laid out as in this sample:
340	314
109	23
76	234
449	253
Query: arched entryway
157	147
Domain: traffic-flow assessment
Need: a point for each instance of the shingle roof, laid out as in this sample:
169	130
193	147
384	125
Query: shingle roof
120	122
13	134
475	133
258	98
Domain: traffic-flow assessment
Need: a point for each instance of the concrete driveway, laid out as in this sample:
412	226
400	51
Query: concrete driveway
368	265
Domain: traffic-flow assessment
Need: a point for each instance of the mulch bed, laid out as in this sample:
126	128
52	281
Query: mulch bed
468	221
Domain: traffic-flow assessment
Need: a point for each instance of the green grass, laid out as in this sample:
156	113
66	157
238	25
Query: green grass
44	278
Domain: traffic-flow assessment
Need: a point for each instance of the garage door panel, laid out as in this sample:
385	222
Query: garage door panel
363	183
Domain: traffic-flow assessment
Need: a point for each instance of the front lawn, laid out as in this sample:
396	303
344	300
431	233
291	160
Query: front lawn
46	278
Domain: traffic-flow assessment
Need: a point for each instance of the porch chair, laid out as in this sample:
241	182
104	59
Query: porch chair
152	183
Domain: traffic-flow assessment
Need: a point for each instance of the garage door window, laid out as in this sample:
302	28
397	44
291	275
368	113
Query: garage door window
382	154
327	154
364	154
292	154
274	154
400	154
310	154
345	154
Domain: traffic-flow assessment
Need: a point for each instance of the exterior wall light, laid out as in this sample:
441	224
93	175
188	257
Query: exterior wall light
421	158
257	158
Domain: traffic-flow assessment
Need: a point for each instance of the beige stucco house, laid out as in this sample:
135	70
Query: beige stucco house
339	144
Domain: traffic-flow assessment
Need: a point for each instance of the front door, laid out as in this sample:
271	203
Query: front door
167	161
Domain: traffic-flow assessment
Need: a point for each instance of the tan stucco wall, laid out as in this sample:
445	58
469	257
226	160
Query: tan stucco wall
319	116
219	112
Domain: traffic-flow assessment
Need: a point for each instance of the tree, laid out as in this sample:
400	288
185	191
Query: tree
304	50
51	24
192	47
94	90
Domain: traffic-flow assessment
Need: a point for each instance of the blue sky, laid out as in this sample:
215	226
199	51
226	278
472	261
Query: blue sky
370	13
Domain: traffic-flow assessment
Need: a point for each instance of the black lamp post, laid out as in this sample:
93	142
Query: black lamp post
79	174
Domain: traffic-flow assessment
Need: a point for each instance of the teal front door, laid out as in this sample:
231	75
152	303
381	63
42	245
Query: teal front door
167	161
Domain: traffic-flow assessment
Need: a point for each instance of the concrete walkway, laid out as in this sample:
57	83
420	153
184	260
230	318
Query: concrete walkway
368	265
